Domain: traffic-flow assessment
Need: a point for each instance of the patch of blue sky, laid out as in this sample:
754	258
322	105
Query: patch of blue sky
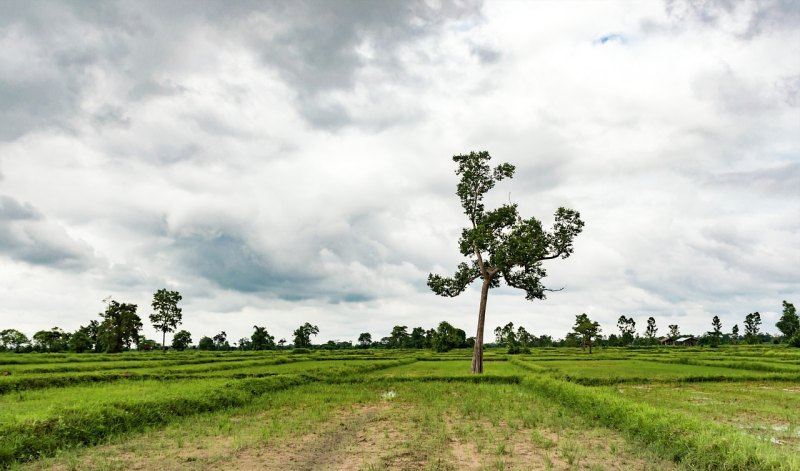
611	38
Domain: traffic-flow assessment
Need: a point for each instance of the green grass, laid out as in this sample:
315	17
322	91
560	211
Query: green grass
701	408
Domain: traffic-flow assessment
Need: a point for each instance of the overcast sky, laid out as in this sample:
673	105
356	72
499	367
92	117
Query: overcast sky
288	162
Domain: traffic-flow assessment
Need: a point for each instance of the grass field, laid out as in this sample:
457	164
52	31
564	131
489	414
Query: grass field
647	408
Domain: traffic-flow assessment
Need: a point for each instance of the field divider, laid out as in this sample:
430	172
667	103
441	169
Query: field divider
684	439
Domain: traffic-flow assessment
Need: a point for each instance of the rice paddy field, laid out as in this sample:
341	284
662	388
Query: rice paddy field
734	407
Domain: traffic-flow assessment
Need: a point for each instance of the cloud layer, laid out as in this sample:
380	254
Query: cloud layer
290	162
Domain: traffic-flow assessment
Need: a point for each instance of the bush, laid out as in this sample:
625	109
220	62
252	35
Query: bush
795	341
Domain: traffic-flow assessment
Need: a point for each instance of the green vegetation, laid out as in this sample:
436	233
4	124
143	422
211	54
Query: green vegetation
730	407
500	243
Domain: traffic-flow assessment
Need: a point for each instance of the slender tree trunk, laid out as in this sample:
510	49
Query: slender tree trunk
477	353
163	340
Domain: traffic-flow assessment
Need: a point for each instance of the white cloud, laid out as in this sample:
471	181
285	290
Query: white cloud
278	168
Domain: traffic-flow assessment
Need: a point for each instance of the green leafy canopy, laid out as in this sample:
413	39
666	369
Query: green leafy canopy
499	242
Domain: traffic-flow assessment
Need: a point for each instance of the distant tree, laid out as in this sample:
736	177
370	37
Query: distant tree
586	329
752	324
145	344
168	315
221	341
789	323
364	340
525	339
651	330
674	331
302	336
120	327
716	333
182	339
12	339
735	333
418	339
544	341
448	337
53	340
80	341
499	243
506	337
627	329
571	340
206	343
261	340
399	337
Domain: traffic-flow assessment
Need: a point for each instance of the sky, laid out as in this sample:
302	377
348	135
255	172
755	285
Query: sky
291	161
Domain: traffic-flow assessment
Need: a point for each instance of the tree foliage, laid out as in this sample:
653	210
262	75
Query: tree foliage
205	343
447	337
167	314
182	340
587	330
499	243
120	327
627	329
12	339
261	340
789	323
302	335
364	340
716	331
674	331
651	330
752	326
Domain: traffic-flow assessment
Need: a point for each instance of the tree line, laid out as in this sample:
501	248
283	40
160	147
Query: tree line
119	327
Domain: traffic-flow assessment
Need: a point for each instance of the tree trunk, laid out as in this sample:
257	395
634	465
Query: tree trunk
477	353
163	340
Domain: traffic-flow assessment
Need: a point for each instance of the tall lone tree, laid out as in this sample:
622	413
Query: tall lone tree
499	243
168	314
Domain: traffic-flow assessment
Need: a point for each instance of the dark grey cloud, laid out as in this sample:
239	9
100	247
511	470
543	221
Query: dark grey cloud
230	261
27	236
57	52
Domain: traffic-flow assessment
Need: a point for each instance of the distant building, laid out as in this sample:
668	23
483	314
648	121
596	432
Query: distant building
685	340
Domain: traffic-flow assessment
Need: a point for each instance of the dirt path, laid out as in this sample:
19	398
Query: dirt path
342	444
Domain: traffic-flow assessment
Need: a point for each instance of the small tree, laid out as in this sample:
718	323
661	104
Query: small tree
716	332
221	341
506	337
525	339
205	343
365	340
627	329
418	339
752	324
789	323
80	341
735	333
302	336
674	331
587	330
651	330
182	339
499	243
120	326
399	337
168	314
12	339
261	340
446	337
